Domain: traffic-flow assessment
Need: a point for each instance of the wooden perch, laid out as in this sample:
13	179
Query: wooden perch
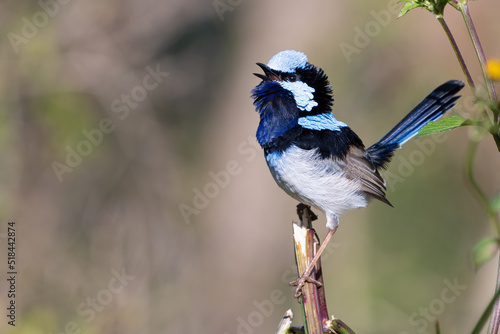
316	319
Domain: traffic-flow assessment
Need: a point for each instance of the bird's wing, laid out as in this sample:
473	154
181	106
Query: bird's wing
357	167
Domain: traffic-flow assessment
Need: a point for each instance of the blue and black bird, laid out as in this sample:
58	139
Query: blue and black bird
317	159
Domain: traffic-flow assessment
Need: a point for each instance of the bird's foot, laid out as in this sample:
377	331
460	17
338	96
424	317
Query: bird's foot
302	280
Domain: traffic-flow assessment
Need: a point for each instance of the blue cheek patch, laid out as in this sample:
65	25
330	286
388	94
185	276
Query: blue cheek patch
321	122
302	93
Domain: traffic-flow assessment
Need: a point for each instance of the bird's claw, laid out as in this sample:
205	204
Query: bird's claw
301	281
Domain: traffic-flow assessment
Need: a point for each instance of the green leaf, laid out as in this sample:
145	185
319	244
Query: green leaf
444	124
436	7
484	250
409	5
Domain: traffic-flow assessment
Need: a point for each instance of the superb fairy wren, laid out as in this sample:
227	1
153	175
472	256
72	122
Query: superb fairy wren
317	159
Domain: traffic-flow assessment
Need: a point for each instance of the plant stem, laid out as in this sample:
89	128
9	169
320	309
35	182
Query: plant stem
454	45
285	323
464	9
495	315
481	196
492	128
496	137
495	224
313	297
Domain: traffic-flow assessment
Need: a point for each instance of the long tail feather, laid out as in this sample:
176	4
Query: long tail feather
435	105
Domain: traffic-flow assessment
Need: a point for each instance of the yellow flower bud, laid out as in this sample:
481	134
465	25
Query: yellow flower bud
493	69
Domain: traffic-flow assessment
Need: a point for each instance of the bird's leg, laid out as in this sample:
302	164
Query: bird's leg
306	276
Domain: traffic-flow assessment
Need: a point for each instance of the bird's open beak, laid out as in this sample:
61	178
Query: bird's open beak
270	75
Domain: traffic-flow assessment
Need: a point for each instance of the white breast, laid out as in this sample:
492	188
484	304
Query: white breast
315	181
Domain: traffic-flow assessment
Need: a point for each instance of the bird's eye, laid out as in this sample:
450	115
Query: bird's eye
292	77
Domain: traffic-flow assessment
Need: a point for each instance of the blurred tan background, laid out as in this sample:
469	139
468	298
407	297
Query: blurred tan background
143	204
